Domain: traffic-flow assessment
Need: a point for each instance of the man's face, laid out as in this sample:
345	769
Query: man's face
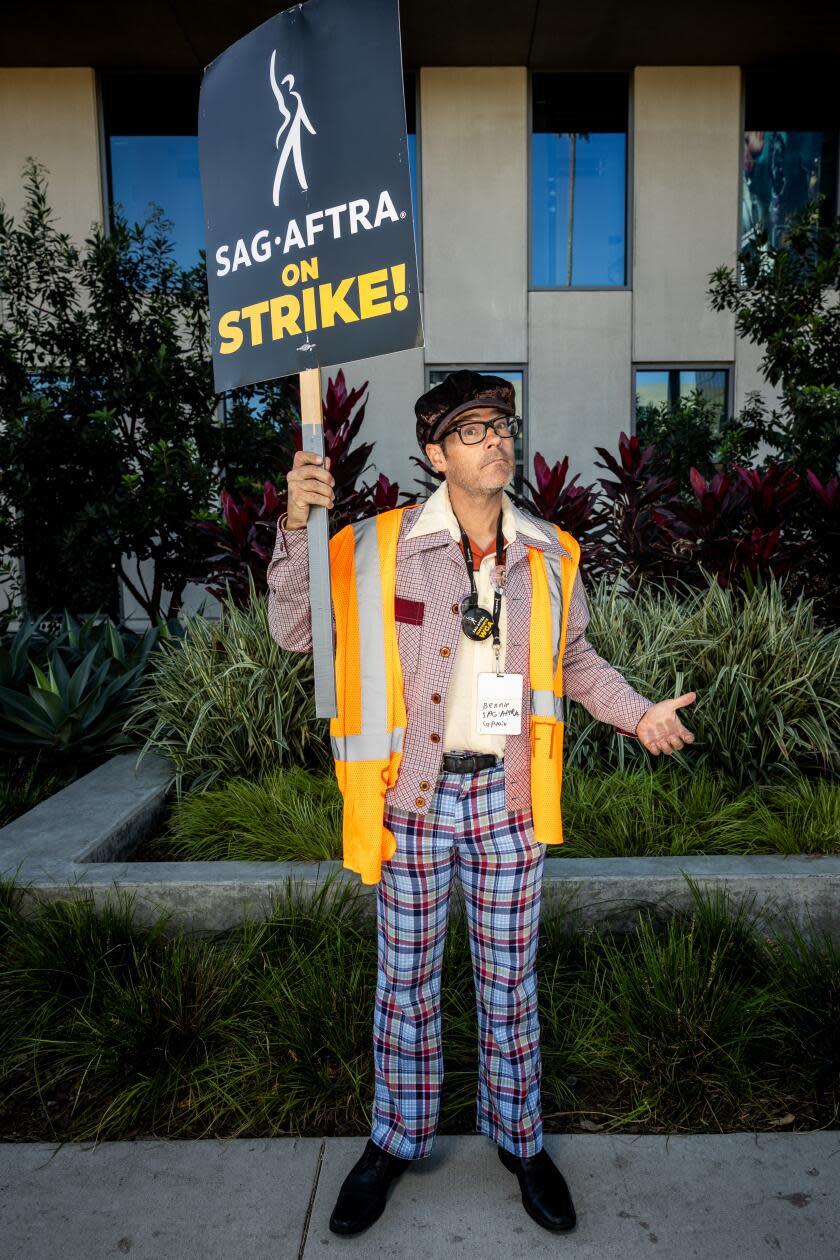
482	469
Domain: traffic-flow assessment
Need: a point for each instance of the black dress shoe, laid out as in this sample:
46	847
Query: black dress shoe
361	1199
545	1195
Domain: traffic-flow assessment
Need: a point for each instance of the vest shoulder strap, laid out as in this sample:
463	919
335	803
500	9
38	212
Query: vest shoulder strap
386	523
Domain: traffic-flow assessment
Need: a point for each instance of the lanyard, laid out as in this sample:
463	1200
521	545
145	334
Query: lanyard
477	622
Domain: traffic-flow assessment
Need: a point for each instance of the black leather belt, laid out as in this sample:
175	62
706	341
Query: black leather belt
466	763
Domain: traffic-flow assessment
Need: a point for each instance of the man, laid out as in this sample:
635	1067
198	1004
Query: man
483	597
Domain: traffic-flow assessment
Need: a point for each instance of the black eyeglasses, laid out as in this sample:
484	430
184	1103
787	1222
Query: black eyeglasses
471	432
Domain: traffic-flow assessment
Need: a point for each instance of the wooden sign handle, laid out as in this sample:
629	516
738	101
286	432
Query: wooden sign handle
317	538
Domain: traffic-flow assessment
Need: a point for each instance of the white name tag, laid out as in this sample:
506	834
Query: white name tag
498	709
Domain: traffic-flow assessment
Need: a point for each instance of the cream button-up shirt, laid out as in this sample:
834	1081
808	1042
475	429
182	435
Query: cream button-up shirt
471	657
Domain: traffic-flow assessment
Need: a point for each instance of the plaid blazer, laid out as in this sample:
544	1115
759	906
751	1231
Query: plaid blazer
431	581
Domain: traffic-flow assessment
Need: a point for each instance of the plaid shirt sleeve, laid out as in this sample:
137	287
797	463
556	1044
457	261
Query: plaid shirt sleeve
289	611
591	680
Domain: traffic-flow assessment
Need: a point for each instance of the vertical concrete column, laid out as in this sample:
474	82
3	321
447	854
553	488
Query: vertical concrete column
396	380
51	116
580	376
687	138
475	208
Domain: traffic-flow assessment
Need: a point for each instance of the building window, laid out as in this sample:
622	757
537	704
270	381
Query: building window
579	180
790	156
151	145
657	387
516	376
410	89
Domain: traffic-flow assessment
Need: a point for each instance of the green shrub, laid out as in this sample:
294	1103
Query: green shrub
688	1012
226	701
808	1023
290	814
229	702
767	679
135	1033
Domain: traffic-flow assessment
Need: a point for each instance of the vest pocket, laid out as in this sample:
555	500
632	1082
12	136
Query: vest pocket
408	641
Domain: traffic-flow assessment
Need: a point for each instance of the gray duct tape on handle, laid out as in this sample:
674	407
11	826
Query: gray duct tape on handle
317	538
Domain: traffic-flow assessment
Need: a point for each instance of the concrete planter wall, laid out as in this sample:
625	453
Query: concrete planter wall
75	845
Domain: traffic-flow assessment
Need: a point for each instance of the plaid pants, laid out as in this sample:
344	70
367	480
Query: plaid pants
499	865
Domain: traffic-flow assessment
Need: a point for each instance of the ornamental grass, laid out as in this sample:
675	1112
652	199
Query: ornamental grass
227	701
706	1023
767	678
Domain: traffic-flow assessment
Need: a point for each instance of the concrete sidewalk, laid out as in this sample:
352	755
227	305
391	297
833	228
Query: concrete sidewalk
730	1197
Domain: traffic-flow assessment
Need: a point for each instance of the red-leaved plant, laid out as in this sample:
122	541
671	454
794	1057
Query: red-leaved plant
735	524
823	552
574	508
641	542
244	539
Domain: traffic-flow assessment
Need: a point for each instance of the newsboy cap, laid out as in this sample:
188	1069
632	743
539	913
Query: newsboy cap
457	392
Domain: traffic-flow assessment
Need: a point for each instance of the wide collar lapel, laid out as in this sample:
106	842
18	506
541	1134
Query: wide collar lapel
530	533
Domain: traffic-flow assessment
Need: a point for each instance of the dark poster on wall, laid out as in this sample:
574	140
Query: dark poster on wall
307	197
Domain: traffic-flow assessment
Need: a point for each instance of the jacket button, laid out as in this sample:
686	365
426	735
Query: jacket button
455	608
436	698
444	651
420	802
434	737
425	785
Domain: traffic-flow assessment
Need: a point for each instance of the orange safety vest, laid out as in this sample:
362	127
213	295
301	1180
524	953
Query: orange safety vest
367	735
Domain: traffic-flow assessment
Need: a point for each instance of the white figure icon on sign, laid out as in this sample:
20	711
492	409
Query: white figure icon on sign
294	124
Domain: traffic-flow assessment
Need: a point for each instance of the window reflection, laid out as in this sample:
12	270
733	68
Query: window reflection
783	171
659	387
163	170
790	153
579	179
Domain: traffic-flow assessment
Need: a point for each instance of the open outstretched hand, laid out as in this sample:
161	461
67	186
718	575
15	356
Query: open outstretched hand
660	730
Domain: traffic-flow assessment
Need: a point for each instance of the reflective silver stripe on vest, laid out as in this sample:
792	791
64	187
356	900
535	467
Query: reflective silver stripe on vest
555	591
375	743
371	627
376	747
546	704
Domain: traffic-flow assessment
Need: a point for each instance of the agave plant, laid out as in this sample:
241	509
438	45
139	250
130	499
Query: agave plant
76	715
14	658
73	700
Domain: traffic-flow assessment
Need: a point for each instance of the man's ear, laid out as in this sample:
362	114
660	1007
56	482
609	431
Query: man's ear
435	456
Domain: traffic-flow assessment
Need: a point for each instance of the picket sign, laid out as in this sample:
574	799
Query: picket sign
308	111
